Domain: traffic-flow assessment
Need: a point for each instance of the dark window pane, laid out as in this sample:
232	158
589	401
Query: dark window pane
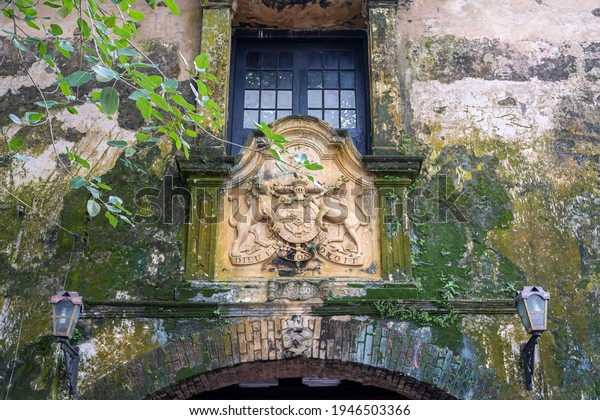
284	99
267	99
315	99
314	60
347	79
314	79
268	79
251	98
316	113
348	118
330	60
286	60
267	116
253	60
285	79
250	116
330	79
347	99
269	61
346	60
284	113
252	79
331	99
332	117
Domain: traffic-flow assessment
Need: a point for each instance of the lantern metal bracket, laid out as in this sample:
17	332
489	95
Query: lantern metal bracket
71	355
529	358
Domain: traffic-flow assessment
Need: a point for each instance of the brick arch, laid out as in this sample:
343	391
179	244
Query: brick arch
388	354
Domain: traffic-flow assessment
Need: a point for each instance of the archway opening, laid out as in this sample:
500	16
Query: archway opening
300	389
300	374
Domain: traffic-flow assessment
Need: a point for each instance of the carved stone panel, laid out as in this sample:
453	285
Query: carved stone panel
282	220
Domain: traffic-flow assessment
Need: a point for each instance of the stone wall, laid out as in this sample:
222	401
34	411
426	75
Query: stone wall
500	98
503	103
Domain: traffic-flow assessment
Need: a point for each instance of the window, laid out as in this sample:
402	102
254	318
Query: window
281	76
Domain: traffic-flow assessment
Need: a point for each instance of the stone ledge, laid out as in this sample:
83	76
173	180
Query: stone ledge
347	306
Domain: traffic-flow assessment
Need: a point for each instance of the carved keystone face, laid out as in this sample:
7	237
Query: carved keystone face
300	223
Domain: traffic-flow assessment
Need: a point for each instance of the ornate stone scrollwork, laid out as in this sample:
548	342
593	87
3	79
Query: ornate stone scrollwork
300	222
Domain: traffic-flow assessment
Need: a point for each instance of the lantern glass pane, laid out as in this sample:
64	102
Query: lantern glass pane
61	326
64	308
538	320
522	311
535	303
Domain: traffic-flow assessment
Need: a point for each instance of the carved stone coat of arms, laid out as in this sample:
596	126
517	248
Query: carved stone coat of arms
283	220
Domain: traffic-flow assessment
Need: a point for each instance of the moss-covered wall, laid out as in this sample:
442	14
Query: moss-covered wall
503	103
500	98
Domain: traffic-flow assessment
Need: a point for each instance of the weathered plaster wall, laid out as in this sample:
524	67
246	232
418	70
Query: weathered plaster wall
38	258
501	97
503	101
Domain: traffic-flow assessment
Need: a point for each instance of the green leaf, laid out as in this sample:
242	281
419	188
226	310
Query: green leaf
121	144
66	45
15	119
136	15
49	104
76	79
112	209
143	93
124	218
32	24
179	100
191	133
130	151
72	110
33	117
16	144
78	182
109	99
63	51
123	32
264	128
83	27
110	21
172	7
170	84
145	107
106	72
128	52
201	62
113	199
111	219
56	29
62	13
82	161
278	138
104	186
91	59
20	46
160	101
21	157
93	208
313	167
275	153
94	191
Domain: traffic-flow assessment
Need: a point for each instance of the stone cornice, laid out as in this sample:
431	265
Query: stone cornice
198	166
393	166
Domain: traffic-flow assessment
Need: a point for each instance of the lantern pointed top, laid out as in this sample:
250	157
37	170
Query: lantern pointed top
61	295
